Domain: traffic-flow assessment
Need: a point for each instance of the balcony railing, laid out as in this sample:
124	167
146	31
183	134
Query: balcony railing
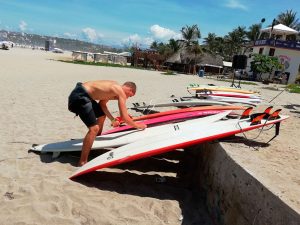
294	45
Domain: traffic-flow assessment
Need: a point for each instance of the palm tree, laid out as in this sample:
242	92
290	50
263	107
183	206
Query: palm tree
190	35
210	41
154	45
174	45
289	19
253	32
235	40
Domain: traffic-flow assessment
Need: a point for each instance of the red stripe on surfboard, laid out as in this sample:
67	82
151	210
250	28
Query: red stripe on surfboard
229	107
167	118
170	148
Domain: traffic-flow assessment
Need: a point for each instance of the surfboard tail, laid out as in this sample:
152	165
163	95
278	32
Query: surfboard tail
257	117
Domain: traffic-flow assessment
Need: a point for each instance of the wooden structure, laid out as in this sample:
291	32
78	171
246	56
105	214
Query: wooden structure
147	59
186	62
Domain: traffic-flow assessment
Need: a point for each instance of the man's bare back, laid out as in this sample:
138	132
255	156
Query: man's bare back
102	89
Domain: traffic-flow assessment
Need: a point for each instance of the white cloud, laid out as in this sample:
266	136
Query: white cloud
157	33
235	4
136	40
23	25
91	34
148	41
132	39
69	35
162	33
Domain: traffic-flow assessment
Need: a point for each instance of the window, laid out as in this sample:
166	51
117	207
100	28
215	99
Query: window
272	52
261	50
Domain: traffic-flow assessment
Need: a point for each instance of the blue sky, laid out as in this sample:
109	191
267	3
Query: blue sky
124	22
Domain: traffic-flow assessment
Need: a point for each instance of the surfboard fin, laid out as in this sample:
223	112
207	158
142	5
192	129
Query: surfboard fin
246	113
274	115
256	118
268	110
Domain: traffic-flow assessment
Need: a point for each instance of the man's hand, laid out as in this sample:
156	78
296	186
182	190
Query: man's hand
115	123
141	126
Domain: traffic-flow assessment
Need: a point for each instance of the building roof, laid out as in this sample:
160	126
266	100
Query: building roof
280	29
185	57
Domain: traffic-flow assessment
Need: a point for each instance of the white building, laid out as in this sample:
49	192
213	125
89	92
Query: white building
277	44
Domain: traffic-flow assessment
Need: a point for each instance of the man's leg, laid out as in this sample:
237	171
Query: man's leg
87	144
100	122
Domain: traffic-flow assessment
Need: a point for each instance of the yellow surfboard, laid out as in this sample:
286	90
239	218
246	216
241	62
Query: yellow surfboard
217	88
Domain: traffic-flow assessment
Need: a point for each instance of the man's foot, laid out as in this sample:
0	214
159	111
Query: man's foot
81	163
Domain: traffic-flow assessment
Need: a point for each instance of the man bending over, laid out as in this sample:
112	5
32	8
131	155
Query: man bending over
83	102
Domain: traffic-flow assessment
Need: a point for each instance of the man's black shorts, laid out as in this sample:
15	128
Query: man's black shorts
83	105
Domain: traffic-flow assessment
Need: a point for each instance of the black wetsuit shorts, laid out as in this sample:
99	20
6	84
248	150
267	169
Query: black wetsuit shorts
83	105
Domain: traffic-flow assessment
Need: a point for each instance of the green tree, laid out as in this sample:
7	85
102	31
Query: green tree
264	64
289	18
211	42
154	45
174	45
191	35
253	32
235	41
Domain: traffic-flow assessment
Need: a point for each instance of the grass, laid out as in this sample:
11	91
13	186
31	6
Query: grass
293	88
169	73
98	64
110	65
242	82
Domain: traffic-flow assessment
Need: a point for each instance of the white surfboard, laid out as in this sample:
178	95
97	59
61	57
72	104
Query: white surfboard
177	102
248	101
181	136
227	94
121	138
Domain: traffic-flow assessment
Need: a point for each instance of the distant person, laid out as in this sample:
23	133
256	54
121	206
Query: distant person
83	102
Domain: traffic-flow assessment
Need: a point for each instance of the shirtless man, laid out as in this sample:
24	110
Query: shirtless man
83	102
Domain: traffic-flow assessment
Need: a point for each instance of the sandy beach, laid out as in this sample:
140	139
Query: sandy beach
36	190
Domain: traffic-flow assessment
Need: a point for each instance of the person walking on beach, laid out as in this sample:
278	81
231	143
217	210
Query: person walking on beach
83	102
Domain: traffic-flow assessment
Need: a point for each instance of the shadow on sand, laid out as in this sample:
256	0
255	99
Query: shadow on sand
165	177
248	142
294	108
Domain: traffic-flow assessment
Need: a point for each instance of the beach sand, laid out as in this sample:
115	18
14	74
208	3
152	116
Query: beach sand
36	190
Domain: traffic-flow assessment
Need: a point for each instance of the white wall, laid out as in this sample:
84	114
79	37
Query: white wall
291	58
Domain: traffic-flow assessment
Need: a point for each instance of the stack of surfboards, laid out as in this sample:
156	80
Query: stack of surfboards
164	138
225	94
126	134
178	102
167	131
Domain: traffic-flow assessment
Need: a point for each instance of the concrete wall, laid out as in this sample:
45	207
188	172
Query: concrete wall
232	195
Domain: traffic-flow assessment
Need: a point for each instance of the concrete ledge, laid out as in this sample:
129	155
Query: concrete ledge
232	195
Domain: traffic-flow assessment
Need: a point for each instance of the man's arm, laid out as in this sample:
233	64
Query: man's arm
123	110
124	114
104	108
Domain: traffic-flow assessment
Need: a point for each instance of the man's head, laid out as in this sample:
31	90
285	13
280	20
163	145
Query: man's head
129	88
